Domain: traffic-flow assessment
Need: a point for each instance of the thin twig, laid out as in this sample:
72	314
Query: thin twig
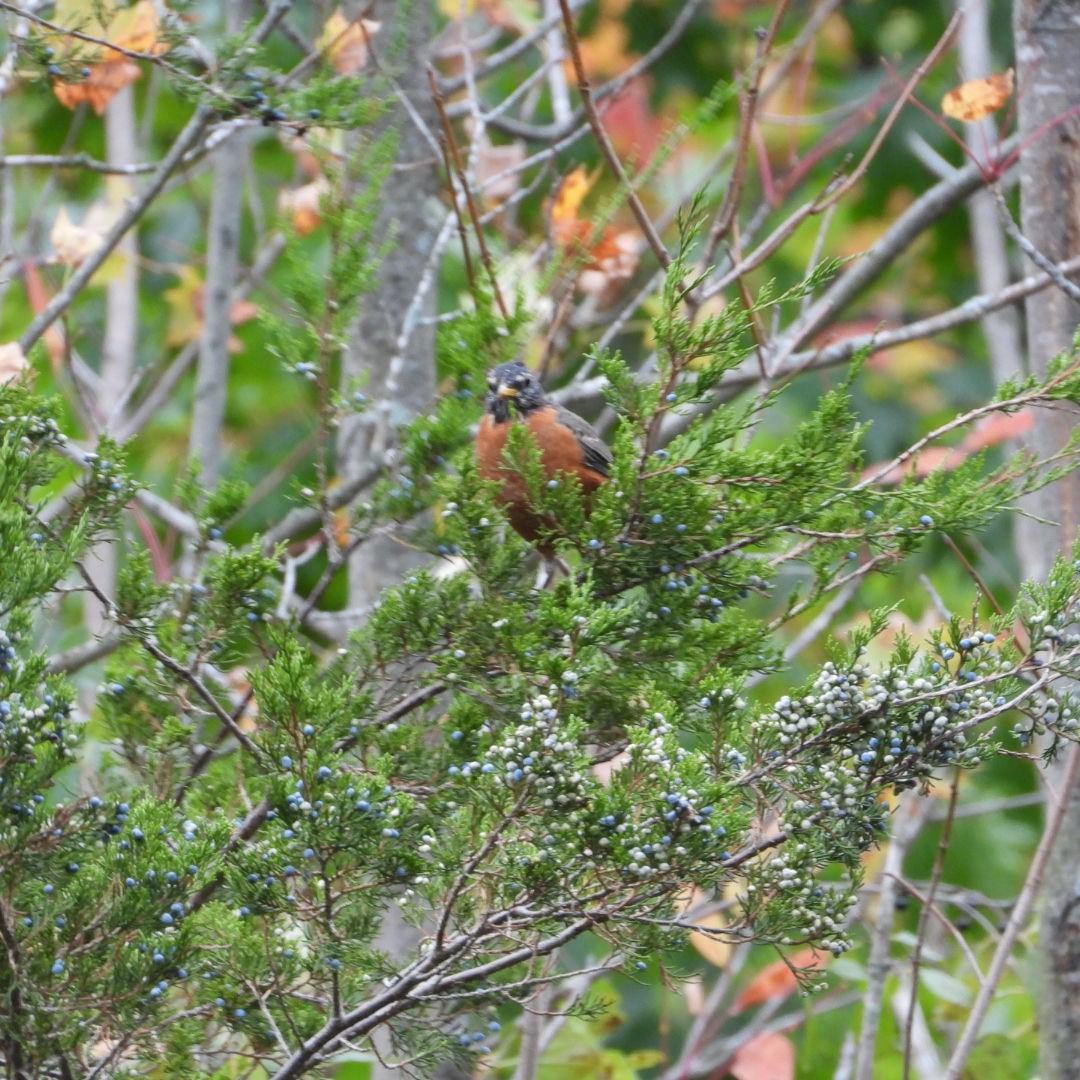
656	245
748	102
188	138
924	919
451	149
1069	288
1017	918
176	668
917	77
67	662
878	964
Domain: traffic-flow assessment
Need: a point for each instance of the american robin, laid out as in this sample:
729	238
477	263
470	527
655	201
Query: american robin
566	442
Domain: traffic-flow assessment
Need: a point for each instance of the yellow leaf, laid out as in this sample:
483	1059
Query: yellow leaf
604	52
977	98
714	949
75	243
138	28
346	43
186	302
570	195
88	16
185	311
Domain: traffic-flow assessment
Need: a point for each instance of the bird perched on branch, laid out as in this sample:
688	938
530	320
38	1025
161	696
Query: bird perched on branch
566	443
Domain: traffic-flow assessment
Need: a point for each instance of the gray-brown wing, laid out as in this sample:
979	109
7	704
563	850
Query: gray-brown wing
596	453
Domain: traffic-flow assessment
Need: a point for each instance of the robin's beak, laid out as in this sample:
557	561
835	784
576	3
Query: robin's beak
506	391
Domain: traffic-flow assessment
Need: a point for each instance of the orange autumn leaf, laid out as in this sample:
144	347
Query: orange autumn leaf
767	1056
342	528
136	29
103	83
777	980
569	197
346	43
304	204
614	260
976	98
606	260
569	230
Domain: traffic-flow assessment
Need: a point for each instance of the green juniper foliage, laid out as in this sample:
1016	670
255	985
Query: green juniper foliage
218	894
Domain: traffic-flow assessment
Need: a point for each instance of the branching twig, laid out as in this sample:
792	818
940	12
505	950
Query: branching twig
1017	918
878	963
185	141
454	158
924	919
656	245
1069	288
748	102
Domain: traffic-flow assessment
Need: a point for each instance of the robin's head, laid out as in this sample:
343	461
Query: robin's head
513	384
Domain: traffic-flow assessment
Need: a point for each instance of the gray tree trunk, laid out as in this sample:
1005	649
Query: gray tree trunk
1048	80
212	372
398	369
119	346
392	348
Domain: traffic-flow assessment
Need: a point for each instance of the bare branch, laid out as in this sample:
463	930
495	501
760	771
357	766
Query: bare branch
648	230
1017	917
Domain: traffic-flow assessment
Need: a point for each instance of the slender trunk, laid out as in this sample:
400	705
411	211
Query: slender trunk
212	373
396	362
1000	328
392	347
1048	78
120	343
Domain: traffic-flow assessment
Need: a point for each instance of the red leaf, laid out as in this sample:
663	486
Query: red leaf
635	130
777	980
994	429
37	293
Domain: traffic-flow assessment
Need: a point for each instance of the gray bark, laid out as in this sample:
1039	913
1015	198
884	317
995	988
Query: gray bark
392	347
119	344
212	372
398	369
1001	328
1048	78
